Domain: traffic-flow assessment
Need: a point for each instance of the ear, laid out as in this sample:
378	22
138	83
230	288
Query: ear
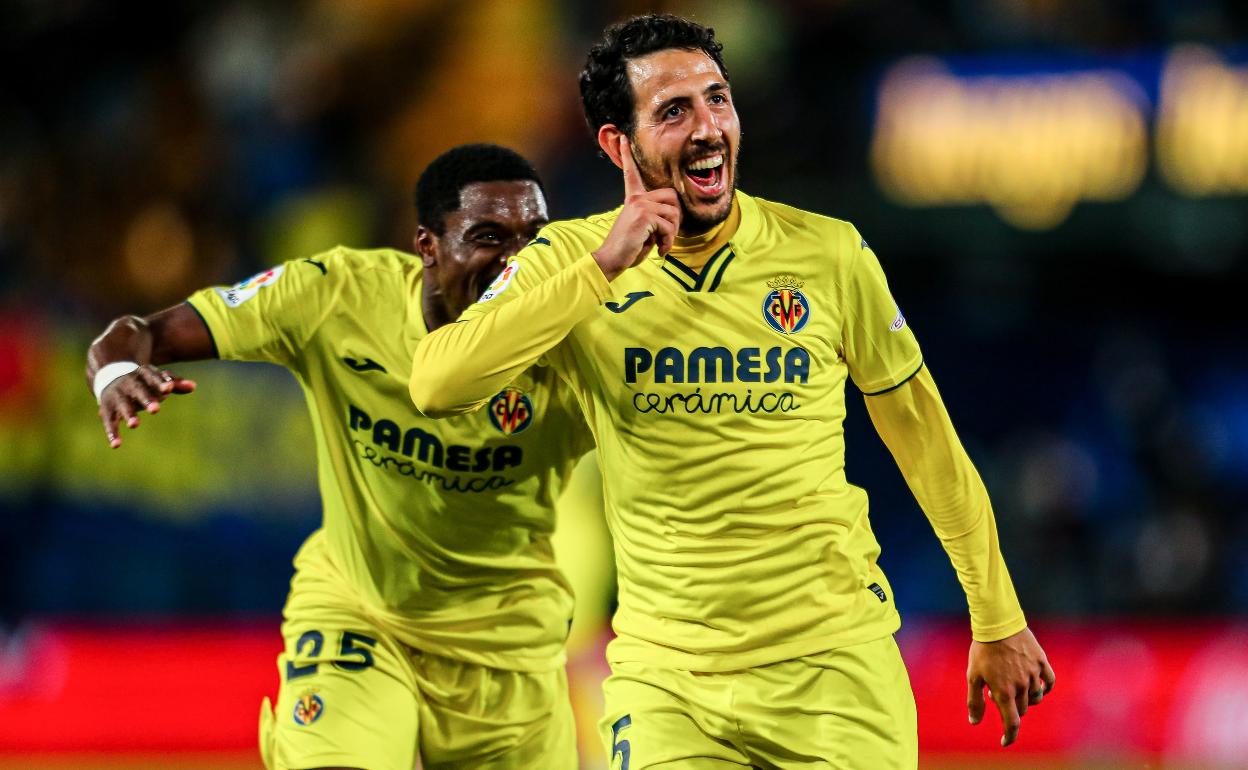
426	245
609	140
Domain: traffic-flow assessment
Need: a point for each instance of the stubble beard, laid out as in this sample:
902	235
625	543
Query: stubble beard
692	223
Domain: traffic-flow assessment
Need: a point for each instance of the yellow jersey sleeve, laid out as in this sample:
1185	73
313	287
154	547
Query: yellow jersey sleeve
271	315
543	292
879	348
913	423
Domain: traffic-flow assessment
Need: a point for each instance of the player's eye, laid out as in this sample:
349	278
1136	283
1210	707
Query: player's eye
673	112
718	99
488	239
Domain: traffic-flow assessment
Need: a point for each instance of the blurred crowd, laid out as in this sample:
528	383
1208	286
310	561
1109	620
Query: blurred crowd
1097	370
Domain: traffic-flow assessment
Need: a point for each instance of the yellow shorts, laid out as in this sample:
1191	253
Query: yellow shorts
849	709
353	696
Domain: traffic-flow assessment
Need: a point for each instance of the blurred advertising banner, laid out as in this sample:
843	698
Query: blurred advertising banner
1175	693
1033	135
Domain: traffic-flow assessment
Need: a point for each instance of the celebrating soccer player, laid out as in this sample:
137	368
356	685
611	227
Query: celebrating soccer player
426	617
709	334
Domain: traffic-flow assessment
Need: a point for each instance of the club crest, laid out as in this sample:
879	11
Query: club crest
786	309
308	708
511	411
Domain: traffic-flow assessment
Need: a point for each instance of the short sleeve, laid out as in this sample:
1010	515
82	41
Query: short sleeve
879	346
271	315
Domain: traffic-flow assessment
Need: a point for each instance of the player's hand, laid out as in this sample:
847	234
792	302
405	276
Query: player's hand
142	390
650	218
1017	674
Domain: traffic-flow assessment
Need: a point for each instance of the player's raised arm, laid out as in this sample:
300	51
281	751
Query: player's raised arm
123	364
1004	656
460	366
649	218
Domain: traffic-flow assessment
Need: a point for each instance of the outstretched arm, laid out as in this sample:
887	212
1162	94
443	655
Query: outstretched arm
130	351
1004	656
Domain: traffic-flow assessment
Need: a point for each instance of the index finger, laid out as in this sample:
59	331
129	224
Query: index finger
633	185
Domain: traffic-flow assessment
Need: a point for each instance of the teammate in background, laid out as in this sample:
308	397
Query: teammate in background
754	625
426	617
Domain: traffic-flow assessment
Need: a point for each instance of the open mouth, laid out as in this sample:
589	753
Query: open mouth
485	278
706	175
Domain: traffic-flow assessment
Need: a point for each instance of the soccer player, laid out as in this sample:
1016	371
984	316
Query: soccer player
709	334
426	617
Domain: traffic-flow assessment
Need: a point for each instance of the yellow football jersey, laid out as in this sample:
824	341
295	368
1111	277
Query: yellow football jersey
440	530
714	385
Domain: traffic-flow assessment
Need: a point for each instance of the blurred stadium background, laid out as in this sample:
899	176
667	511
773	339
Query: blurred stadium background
1058	190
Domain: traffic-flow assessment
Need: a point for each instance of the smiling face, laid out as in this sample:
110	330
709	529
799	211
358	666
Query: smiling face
686	134
493	222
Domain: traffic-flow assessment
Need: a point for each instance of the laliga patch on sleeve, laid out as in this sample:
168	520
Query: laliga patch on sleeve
898	323
501	282
245	290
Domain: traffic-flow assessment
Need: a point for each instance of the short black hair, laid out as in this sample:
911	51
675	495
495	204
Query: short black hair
606	94
437	190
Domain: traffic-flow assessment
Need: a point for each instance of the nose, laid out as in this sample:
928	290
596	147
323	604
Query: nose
705	124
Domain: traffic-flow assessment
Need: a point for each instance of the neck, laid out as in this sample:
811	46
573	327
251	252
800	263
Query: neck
709	241
433	306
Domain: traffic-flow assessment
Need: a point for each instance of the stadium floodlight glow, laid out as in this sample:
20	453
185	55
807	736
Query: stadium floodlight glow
1202	124
1032	137
1030	145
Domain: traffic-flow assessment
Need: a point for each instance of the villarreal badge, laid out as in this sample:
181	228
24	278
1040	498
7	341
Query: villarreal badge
511	411
786	309
308	708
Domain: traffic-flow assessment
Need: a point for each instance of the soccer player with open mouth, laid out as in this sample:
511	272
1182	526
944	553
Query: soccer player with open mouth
426	618
709	334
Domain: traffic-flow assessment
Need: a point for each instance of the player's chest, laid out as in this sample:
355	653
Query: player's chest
363	382
741	318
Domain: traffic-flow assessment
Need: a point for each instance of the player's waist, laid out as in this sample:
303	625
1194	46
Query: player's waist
644	641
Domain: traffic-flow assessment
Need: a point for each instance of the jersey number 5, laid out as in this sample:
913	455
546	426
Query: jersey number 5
618	746
353	645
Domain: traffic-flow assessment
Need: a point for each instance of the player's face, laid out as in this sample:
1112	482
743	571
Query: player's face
494	221
687	134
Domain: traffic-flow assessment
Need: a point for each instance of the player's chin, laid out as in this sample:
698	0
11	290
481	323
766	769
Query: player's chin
704	213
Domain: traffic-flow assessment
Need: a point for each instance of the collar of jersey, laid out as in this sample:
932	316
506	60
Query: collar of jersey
695	250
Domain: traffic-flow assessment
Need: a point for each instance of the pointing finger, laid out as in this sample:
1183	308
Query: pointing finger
633	185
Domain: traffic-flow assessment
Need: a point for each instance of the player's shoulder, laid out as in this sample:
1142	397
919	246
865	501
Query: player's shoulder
793	220
370	271
825	237
360	263
578	233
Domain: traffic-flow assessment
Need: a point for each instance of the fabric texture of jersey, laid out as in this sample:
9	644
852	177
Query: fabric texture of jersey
850	708
715	389
439	530
352	695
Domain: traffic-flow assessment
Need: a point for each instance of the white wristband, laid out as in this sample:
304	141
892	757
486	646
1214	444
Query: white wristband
110	373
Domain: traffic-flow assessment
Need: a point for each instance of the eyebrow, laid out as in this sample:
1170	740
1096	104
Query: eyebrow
710	89
486	224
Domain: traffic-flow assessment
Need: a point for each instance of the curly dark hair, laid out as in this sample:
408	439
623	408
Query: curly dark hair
437	190
606	94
